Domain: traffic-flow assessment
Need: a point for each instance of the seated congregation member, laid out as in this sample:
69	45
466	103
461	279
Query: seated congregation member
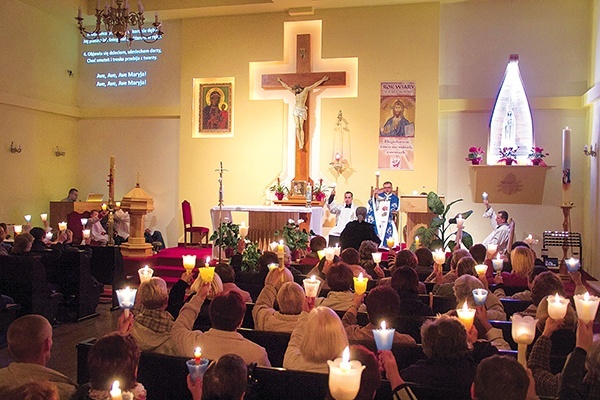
98	235
351	257
152	326
425	262
581	374
203	321
449	363
113	357
502	378
400	389
227	275
340	280
405	282
321	270
463	291
34	390
451	275
280	287
365	259
319	336
30	343
226	312
522	261
4	247
224	379
22	244
316	244
406	258
383	304
478	252
371	376
465	266
358	231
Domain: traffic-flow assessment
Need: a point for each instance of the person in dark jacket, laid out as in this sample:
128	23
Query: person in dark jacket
359	230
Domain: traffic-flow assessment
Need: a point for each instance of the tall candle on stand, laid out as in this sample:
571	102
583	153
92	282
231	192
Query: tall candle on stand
523	332
566	166
586	306
377	174
344	377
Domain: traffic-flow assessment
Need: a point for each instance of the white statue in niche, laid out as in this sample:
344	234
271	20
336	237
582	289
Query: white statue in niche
508	133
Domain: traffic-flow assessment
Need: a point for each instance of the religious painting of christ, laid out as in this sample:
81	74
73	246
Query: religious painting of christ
213	107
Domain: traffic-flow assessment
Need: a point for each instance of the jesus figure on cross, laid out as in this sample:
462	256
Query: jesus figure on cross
300	111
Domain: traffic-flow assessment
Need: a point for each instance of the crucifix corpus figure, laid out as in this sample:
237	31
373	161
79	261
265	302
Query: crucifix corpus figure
300	111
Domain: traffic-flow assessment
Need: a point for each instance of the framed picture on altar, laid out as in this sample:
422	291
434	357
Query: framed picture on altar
213	107
297	190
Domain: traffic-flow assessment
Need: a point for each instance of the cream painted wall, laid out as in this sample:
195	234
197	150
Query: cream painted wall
553	44
391	43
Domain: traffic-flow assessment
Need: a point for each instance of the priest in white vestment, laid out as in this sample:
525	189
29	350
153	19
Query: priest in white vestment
382	208
345	212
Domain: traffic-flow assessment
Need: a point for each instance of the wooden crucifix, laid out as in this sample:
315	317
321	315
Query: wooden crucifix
298	83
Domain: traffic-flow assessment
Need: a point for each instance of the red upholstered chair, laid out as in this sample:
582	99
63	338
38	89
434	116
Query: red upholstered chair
188	226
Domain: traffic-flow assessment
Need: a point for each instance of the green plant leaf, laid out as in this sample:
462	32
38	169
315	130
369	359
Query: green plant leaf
434	203
437	222
467	240
450	205
436	244
451	245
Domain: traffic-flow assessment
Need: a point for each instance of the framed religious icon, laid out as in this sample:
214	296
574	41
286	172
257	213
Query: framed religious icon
297	190
213	107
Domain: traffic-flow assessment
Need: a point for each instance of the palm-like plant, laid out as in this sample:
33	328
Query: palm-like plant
439	232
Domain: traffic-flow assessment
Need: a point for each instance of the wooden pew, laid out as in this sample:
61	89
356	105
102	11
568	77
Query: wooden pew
512	306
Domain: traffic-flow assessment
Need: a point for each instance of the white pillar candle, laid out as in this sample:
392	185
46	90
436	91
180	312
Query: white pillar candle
417	241
145	274
243	230
480	296
360	284
27	218
566	166
311	286
384	338
344	377
586	306
498	263
557	306
572	264
466	315
44	217
376	257
439	256
523	333
115	392
189	262
481	269
329	253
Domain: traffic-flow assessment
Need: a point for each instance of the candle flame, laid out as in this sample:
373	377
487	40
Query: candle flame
465	308
146	269
197	352
556	298
383	325
586	296
313	277
115	385
361	277
346	355
498	257
207	260
281	242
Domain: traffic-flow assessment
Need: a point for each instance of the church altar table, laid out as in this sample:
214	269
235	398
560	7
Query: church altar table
265	220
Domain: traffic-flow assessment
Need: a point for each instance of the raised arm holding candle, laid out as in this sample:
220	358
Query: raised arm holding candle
501	231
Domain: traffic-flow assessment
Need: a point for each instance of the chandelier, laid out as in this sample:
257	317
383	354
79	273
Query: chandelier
120	22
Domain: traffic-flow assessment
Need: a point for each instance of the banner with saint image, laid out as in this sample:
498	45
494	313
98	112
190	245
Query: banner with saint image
397	125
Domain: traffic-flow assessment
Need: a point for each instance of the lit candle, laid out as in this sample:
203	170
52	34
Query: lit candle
115	392
272	266
498	263
197	355
439	256
338	157
376	257
104	207
586	306
572	264
84	222
566	166
243	230
207	273
27	218
17	229
311	286
557	306
484	196
337	250
390	243
360	284
329	253
377	174
145	274
189	262
480	296
44	217
344	377
481	269
62	226
523	332
273	246
460	221
384	337
529	239
86	233
417	241
126	299
118	204
492	248
280	251
49	236
466	315
321	254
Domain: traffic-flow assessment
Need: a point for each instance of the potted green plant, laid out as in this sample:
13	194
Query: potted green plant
250	257
319	191
279	189
439	232
475	155
227	237
295	238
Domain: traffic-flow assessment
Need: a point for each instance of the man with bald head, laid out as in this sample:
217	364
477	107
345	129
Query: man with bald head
30	341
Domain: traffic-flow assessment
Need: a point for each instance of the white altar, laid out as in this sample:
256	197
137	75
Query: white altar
265	220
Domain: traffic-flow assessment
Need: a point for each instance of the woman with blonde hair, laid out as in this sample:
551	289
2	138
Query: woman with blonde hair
318	337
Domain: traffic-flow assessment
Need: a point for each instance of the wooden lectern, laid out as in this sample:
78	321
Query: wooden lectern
60	209
417	213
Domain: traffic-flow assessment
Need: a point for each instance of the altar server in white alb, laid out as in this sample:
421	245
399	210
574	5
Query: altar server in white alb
344	213
382	208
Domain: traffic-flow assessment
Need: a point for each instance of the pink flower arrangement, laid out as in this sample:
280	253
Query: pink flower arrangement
475	155
536	155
